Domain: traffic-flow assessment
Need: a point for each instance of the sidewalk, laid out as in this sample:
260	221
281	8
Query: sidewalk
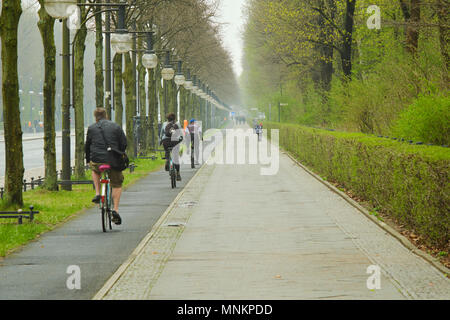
234	234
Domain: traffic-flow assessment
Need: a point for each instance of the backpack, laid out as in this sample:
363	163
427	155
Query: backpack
169	129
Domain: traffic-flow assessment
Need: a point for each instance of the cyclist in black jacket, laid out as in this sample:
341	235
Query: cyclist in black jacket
170	137
97	155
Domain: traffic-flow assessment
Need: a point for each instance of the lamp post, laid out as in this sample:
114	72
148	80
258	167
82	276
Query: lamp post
179	81
199	92
59	9
150	61
108	71
193	93
167	74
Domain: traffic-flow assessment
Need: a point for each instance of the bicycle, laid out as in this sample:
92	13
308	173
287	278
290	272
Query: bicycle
259	133
106	198
172	171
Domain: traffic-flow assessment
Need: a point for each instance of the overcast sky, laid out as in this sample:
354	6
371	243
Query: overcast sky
231	13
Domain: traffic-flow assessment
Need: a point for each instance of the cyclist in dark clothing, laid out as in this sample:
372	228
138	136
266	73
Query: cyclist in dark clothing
97	155
170	137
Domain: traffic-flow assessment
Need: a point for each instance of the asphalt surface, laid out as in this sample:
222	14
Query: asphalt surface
39	270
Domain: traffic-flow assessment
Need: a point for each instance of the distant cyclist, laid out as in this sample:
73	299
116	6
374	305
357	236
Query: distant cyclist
259	130
170	137
97	155
193	136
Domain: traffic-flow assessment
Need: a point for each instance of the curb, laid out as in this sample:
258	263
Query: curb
121	270
402	239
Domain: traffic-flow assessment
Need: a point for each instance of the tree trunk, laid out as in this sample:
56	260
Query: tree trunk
182	104
412	30
346	56
130	110
444	34
188	114
162	103
152	109
142	72
118	89
46	28
171	96
78	98
99	78
9	22
197	108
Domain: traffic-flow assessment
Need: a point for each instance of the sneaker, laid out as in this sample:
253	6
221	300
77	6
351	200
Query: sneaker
178	176
116	218
97	199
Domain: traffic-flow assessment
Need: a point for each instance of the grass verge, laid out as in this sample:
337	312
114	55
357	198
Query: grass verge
58	207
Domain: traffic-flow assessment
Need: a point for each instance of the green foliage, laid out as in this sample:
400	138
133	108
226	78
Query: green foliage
426	120
409	182
281	60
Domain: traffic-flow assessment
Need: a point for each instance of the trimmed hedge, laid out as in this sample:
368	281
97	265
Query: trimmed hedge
409	182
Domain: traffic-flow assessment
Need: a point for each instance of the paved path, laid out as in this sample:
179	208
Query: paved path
234	234
38	271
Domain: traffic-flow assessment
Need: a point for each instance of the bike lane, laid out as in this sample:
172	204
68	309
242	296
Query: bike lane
39	269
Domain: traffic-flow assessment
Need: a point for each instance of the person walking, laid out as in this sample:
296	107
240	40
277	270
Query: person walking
194	135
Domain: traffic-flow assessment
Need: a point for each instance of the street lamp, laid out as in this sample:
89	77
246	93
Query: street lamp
194	85
167	72
59	9
121	42
149	58
179	78
188	83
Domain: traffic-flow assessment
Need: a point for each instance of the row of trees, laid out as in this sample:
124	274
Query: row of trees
321	57
186	25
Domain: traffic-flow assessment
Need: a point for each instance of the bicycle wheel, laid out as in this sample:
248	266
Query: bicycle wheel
173	177
104	219
109	204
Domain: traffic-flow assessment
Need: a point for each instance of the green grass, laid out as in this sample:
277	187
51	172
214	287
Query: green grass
58	207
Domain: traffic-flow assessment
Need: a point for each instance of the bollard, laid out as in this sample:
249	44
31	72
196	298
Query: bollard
1	193
32	183
20	216
31	213
24	185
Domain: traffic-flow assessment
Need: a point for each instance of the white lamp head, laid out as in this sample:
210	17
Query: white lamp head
121	42
180	79
150	60
60	9
167	73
